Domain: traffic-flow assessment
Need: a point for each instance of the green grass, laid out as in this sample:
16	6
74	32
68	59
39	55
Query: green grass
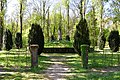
103	59
101	67
16	64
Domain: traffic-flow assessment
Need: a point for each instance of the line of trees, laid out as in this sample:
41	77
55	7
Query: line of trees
59	18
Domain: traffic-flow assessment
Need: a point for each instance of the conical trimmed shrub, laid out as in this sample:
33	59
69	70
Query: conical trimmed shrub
114	41
67	38
7	40
18	40
36	37
81	35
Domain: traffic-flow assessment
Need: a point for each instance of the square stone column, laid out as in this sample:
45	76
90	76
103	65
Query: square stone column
34	55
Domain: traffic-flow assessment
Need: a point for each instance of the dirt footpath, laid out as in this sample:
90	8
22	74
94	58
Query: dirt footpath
58	70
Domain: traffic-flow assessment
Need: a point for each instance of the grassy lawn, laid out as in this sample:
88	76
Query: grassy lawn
16	64
101	67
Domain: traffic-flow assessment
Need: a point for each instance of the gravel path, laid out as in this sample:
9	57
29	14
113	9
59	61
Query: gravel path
58	70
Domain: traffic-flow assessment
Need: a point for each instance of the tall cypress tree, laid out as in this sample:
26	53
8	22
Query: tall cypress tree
81	35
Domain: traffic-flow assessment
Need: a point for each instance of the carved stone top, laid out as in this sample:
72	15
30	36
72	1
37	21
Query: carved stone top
34	47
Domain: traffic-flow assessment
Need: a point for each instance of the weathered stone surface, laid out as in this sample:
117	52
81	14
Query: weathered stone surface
59	50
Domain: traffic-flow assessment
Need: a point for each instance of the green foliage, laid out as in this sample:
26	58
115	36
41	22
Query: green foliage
106	33
7	40
101	41
81	35
18	40
114	41
36	37
17	65
33	13
115	9
92	24
93	32
102	66
52	38
35	18
67	37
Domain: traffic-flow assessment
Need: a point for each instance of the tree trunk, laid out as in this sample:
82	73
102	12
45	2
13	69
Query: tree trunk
101	13
43	15
68	30
48	26
81	9
101	34
1	22
94	27
1	32
54	24
21	16
84	8
40	13
60	29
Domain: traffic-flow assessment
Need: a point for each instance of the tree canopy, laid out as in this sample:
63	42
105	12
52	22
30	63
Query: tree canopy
58	18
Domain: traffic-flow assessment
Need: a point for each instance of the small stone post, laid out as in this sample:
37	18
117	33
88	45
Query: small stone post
34	55
84	55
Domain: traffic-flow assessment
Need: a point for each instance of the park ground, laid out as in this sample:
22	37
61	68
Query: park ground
16	64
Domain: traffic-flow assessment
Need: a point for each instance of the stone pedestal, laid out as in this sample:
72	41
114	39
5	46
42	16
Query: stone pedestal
84	55
34	55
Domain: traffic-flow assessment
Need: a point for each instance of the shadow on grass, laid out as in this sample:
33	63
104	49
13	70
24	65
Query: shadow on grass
99	67
104	67
19	67
101	60
16	76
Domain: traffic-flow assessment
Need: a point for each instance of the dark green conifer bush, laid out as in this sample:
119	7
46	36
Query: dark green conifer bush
67	38
36	37
81	35
18	40
114	41
7	40
52	38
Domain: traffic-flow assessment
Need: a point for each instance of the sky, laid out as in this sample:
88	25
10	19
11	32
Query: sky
12	6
